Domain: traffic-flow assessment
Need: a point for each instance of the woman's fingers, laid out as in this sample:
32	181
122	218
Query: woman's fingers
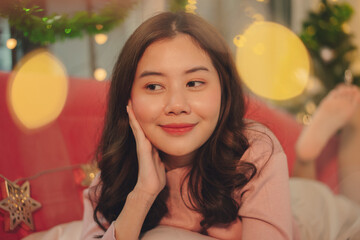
151	176
134	124
143	145
160	167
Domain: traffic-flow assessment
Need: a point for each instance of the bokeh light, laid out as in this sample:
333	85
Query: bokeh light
258	17
99	26
310	107
100	74
11	43
37	89
101	38
191	6
272	61
346	28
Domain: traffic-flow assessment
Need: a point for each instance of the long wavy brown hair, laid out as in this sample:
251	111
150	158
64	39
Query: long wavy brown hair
216	172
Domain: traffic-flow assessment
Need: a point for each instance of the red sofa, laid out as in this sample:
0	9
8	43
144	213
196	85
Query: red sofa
71	139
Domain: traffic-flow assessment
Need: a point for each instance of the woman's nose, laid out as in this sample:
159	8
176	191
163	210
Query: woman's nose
177	103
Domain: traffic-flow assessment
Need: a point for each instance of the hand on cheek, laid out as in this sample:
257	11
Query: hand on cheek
151	176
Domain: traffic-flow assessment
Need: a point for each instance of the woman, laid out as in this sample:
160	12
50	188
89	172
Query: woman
177	157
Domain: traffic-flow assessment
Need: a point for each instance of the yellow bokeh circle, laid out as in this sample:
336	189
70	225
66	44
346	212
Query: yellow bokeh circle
11	43
100	74
37	89
272	61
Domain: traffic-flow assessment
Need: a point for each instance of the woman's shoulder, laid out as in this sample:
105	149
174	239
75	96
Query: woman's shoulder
257	133
262	142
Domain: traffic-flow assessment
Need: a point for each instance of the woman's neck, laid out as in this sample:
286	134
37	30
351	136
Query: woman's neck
172	162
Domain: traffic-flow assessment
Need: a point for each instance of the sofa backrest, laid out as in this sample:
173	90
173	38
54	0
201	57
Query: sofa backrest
71	140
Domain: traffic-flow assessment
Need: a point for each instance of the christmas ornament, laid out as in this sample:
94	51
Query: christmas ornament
19	204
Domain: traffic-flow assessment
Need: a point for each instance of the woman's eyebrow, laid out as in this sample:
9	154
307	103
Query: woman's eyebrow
150	73
195	69
191	70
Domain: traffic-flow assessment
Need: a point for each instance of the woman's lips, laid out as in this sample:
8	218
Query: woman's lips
178	128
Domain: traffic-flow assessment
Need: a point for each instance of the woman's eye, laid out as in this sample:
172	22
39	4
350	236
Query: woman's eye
153	87
194	84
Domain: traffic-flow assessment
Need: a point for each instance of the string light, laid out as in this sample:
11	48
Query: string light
191	6
346	28
306	119
303	118
11	43
310	107
101	38
100	74
99	26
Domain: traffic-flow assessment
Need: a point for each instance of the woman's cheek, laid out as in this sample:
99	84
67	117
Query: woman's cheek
145	109
208	106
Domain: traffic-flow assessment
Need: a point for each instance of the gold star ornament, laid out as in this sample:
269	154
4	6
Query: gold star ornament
19	204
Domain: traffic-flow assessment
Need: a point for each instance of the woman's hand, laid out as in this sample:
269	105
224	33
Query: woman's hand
151	176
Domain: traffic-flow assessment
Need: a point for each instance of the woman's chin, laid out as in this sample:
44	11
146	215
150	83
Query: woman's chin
177	157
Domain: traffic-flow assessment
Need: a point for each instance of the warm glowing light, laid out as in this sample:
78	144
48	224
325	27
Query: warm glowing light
191	6
303	118
355	66
37	89
310	30
306	119
99	26
101	38
272	61
11	43
239	40
100	74
258	17
310	107
346	28
327	54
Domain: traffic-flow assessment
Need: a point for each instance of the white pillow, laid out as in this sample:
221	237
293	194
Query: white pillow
66	231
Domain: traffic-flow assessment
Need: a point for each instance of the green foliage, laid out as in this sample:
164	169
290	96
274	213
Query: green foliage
37	28
177	5
327	29
43	30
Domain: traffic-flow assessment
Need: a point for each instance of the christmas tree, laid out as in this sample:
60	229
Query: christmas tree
327	36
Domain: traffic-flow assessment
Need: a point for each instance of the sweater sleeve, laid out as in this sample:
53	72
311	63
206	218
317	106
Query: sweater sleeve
265	201
90	228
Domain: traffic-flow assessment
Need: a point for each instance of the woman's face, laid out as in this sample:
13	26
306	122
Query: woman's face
176	96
